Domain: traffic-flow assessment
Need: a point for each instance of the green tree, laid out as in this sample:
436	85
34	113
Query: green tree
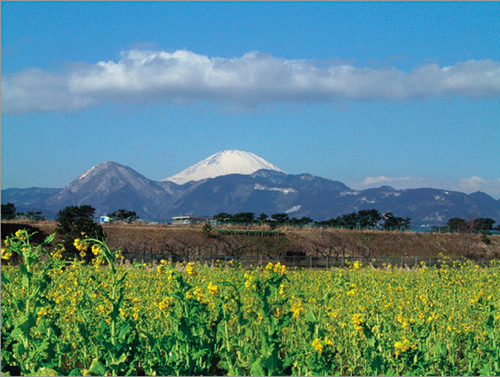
333	222
301	222
395	222
244	217
280	218
368	218
304	220
482	224
75	222
349	220
8	211
207	228
123	215
456	223
35	216
262	218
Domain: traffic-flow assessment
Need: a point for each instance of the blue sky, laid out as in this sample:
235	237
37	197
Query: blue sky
403	93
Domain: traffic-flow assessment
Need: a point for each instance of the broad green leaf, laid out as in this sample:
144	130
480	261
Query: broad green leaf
97	368
49	238
310	317
256	368
25	282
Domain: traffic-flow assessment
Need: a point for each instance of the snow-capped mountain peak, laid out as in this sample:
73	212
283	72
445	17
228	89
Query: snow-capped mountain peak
223	163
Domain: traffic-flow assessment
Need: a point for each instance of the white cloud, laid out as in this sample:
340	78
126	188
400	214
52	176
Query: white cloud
142	76
473	184
396	182
466	185
399	183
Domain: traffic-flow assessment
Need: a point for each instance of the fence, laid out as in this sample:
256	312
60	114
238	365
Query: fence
307	261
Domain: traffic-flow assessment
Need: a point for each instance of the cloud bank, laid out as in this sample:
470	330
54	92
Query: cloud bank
144	77
466	185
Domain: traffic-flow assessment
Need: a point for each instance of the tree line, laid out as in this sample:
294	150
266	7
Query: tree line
475	225
9	212
363	219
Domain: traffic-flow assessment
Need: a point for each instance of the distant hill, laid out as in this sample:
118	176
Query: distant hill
110	186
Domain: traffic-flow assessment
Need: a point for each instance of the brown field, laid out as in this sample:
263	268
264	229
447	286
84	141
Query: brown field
191	240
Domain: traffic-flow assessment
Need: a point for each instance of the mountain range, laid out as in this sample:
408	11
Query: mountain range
236	181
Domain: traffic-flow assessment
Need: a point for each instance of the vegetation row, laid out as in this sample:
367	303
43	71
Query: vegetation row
72	318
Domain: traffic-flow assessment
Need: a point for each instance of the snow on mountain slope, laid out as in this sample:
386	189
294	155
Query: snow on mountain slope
223	163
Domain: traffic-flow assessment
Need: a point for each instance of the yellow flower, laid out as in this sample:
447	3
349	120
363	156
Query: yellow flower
297	309
282	290
213	288
357	319
80	245
161	268
21	234
57	251
6	254
317	344
198	293
163	305
279	268
328	341
403	346
357	265
190	270
278	312
248	282
96	249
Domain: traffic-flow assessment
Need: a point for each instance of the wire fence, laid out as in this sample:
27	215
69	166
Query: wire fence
304	261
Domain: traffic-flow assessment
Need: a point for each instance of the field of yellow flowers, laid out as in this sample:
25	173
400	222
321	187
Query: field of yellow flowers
68	318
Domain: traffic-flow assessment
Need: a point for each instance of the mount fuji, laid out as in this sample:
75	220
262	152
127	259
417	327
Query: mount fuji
223	163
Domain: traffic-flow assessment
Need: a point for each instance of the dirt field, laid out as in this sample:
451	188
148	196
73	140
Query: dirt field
162	239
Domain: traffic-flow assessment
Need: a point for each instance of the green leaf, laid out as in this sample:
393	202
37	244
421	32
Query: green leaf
376	364
310	317
371	341
5	279
43	347
256	368
122	278
103	326
97	368
490	322
17	334
486	370
119	363
199	354
49	238
23	269
25	281
123	331
26	322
